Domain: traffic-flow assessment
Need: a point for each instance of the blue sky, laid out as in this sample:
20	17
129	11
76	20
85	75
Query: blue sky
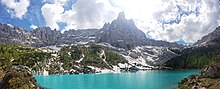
33	16
168	20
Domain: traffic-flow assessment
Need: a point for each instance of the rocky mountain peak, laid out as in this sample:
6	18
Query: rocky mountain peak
123	24
121	16
122	33
106	26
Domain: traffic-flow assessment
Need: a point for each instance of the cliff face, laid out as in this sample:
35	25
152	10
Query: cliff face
44	36
211	38
14	35
212	71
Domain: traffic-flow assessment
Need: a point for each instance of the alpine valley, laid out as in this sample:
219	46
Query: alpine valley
118	46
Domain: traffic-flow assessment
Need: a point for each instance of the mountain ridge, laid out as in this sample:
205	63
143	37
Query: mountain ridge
44	36
209	39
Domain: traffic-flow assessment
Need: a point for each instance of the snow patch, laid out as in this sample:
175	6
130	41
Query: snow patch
81	58
99	70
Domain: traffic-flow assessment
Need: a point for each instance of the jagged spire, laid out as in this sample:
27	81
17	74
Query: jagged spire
106	26
121	16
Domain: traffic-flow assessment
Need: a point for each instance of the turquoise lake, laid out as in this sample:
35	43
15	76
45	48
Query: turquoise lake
150	79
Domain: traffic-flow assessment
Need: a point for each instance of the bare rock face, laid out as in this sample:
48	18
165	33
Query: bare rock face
211	38
211	71
14	35
44	36
121	16
76	36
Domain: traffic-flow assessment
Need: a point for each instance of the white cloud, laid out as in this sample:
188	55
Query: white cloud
16	8
83	14
192	26
52	14
33	26
196	19
90	14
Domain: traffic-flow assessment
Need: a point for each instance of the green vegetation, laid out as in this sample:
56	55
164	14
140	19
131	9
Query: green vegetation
91	56
36	59
194	58
11	54
114	58
19	56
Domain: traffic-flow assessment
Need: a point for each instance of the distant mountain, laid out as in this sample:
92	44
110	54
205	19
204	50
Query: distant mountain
15	35
44	36
211	38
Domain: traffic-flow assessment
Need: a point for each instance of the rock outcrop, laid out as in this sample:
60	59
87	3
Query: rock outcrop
208	79
212	71
18	77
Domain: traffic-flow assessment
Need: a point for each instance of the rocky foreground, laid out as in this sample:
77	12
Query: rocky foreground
17	77
208	79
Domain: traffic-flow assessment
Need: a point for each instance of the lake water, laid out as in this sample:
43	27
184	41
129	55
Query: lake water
150	79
